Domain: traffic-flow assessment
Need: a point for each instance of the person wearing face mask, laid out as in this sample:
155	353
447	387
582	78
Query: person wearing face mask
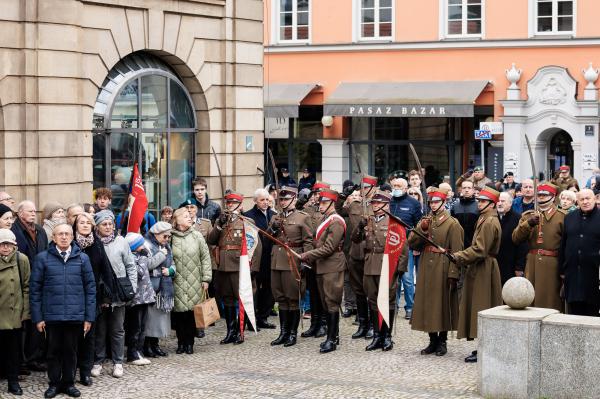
543	232
410	211
292	227
579	257
227	235
482	289
372	232
436	298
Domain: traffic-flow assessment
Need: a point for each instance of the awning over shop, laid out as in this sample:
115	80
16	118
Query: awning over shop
281	100
408	99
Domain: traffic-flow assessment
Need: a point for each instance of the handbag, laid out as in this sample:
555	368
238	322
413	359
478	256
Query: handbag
124	288
206	312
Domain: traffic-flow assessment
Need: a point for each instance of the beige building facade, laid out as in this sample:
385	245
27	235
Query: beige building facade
88	86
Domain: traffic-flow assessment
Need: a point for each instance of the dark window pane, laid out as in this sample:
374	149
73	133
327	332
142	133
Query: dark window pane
474	12
303	5
368	16
473	1
308	124
286	33
286	5
360	128
385	30
565	24
565	8
154	169
154	101
124	112
368	30
455	12
454	27
544	24
302	18
474	27
390	128
181	166
385	15
302	33
122	152
182	114
286	19
306	155
454	1
98	162
367	4
385	3
544	9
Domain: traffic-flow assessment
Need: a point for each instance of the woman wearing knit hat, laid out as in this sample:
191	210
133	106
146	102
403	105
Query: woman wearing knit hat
7	217
54	214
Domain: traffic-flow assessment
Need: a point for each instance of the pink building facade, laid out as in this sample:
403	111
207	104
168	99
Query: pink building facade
371	76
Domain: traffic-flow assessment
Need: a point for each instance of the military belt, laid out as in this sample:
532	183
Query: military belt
230	248
544	252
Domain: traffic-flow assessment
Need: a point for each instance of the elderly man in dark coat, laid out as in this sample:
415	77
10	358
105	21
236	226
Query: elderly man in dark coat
579	257
511	257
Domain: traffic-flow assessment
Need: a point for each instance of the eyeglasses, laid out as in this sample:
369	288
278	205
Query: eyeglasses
413	193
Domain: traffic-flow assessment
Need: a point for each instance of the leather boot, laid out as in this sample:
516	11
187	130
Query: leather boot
284	328
363	317
388	344
294	321
323	326
333	320
441	348
148	349
377	342
315	319
238	337
431	348
471	358
14	388
229	321
369	334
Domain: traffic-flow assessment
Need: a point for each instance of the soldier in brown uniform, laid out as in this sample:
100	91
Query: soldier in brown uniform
436	297
564	179
356	255
482	288
288	285
330	263
543	233
373	232
227	235
318	318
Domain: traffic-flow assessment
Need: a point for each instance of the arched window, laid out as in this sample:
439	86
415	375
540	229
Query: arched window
143	112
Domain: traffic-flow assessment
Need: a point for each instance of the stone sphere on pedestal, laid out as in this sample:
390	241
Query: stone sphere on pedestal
518	293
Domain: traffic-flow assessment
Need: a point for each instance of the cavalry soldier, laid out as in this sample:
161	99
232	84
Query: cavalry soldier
482	289
543	232
436	298
318	317
564	179
227	235
288	285
329	261
355	212
372	231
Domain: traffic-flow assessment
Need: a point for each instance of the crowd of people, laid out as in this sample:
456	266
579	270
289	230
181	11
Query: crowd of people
77	288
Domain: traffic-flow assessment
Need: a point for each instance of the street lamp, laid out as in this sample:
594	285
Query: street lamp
327	120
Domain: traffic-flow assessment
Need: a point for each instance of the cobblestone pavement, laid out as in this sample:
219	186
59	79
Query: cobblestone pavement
257	370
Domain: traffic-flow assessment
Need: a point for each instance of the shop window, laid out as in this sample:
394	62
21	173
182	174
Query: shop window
294	20
554	16
463	18
135	102
308	124
376	19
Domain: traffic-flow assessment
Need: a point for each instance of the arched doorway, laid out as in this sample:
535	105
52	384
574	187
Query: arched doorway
144	113
560	151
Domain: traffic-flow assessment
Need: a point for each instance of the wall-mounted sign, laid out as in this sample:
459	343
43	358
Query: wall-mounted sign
589	130
395	110
493	127
249	143
277	128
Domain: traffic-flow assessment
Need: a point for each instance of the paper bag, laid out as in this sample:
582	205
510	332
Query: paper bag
206	312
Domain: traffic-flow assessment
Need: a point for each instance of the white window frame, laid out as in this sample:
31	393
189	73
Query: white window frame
533	20
357	22
276	31
444	22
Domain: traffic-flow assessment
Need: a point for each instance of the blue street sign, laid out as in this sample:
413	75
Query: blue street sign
483	135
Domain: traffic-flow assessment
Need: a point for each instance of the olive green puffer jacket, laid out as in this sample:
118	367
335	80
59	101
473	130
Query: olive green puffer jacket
192	261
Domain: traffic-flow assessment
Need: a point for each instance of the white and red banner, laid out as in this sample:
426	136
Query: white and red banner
138	202
246	298
394	242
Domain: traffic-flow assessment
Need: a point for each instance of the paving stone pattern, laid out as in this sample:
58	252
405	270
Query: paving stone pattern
257	370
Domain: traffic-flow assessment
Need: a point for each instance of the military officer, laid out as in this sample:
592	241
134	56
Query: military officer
355	212
482	288
564	179
227	235
543	232
318	318
330	263
436	298
292	227
373	232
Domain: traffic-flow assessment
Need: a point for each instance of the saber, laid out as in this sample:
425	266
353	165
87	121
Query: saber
533	170
362	175
424	237
275	172
220	176
423	184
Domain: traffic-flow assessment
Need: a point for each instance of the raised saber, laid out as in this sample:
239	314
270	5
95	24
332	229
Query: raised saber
533	170
220	176
362	196
423	184
275	172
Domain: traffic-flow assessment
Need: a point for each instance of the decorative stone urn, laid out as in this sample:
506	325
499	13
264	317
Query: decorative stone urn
591	75
513	75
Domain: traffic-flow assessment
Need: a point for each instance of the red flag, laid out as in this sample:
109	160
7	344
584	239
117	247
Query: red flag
394	242
138	203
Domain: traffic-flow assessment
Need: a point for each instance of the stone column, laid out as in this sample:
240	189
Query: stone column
509	352
334	162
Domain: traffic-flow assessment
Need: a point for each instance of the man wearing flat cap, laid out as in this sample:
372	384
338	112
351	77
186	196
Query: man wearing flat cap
288	284
481	289
436	298
543	232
